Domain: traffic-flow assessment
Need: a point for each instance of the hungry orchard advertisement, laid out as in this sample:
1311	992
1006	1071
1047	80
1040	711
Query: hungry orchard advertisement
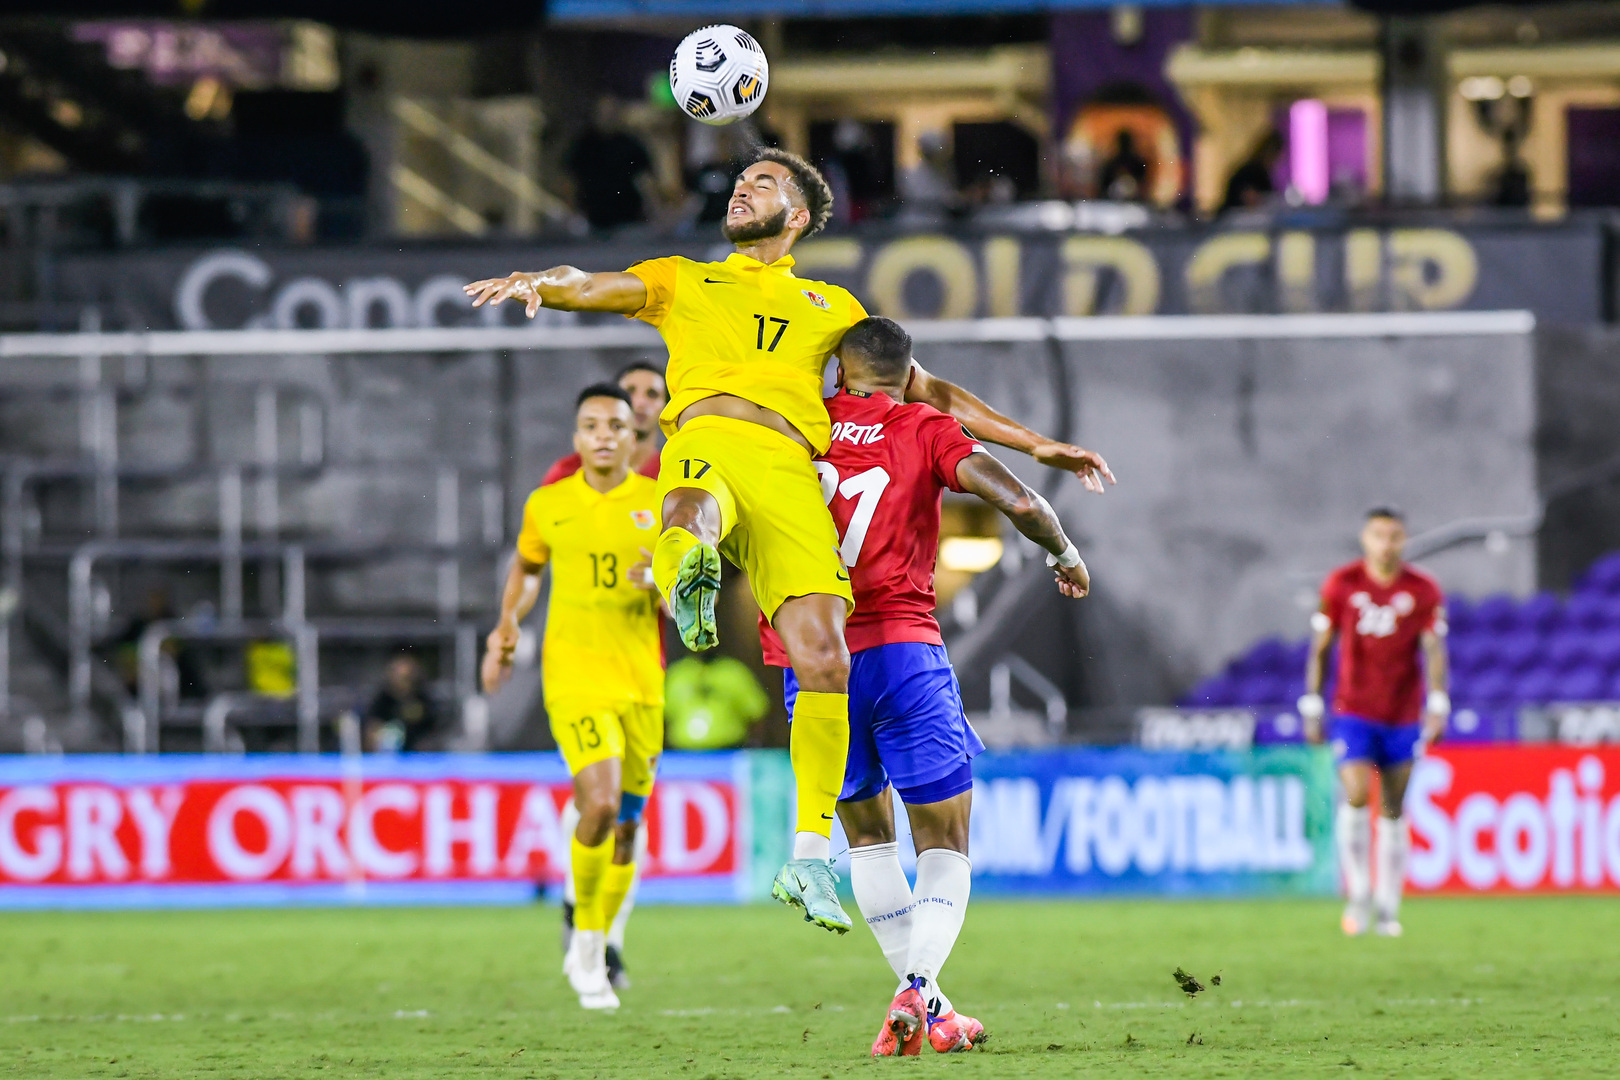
97	831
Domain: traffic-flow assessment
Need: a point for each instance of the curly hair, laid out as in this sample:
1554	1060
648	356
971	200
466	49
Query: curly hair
813	188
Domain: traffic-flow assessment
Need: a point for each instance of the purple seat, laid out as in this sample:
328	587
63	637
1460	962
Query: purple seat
1603	576
1587	611
1612	612
1614	687
1543	613
1538	685
1586	683
1518	651
1460	614
1569	649
1270	656
1491	688
1217	692
1473	653
1606	649
1498	613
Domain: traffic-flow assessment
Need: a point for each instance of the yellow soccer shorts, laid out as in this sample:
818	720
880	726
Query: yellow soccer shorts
774	523
588	732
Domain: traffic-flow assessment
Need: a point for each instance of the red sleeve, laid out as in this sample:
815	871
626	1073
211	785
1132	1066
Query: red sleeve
649	468
562	470
947	443
1333	599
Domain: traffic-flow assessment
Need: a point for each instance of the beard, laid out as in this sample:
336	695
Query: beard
747	232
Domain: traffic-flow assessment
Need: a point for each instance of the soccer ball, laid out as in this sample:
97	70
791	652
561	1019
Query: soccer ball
718	74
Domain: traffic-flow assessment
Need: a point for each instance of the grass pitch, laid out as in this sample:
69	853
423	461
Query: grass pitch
1497	988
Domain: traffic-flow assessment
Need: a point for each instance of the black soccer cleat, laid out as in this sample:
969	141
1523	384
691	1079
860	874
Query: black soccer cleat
618	978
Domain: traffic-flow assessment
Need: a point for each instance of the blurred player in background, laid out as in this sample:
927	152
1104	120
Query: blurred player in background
1390	620
648	396
602	662
748	346
883	477
644	383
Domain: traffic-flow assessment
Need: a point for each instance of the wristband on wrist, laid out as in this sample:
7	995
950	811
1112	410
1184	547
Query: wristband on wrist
1311	706
1068	560
1438	703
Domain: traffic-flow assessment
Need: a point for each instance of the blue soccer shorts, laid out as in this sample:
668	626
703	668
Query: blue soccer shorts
1358	739
906	725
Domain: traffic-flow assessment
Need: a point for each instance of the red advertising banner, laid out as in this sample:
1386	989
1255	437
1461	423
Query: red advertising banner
305	825
1515	819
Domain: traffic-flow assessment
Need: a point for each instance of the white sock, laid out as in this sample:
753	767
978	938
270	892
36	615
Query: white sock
615	934
811	845
570	825
884	896
1354	834
944	880
1393	843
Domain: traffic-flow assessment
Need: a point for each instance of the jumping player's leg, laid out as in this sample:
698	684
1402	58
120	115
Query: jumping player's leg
812	633
686	564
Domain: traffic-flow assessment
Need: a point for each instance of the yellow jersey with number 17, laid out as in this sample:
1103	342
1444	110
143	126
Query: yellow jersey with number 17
603	639
749	329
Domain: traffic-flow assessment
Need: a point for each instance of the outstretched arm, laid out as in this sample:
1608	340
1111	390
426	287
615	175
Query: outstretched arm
1030	514
517	600
566	288
991	426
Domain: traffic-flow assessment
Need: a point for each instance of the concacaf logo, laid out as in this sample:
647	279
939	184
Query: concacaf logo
817	299
643	519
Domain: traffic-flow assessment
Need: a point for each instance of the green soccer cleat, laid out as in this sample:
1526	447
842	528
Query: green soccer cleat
691	601
811	884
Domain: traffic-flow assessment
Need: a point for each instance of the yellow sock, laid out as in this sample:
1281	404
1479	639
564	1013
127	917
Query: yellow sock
819	746
672	546
616	881
590	865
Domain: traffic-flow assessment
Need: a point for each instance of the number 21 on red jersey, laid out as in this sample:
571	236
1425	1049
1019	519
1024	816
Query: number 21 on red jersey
866	488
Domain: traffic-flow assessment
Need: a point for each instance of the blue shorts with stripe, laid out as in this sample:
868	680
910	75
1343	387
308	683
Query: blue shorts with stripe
906	725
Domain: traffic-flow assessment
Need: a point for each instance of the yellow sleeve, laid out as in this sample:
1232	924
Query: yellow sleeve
659	277
856	312
531	542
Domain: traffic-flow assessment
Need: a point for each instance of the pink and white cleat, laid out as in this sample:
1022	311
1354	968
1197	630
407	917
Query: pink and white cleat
954	1033
902	1034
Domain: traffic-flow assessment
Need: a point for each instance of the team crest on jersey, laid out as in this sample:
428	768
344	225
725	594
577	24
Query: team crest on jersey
817	299
643	519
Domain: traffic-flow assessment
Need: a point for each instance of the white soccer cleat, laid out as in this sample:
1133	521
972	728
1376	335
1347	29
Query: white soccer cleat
1355	919
586	968
1388	928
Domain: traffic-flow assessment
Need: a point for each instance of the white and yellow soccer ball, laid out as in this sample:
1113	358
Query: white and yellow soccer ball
718	74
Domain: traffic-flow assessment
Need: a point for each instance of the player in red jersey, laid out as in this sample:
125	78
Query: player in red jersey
648	396
1385	613
883	478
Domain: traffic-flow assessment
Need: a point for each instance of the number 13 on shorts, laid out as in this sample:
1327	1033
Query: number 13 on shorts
866	488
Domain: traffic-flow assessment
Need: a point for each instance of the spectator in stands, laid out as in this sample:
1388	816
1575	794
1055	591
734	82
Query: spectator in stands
611	170
1123	177
1251	184
928	188
188	666
401	716
710	702
1512	182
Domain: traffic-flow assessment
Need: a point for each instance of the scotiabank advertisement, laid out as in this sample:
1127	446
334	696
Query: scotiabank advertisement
110	831
1509	819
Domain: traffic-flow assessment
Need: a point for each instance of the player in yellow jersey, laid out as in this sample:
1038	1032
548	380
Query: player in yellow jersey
602	661
749	344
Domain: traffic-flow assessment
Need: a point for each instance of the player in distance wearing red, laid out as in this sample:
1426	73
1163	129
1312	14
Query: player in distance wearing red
1385	614
648	396
883	479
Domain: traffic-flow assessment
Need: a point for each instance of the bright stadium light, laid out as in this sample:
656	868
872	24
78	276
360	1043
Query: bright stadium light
969	554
